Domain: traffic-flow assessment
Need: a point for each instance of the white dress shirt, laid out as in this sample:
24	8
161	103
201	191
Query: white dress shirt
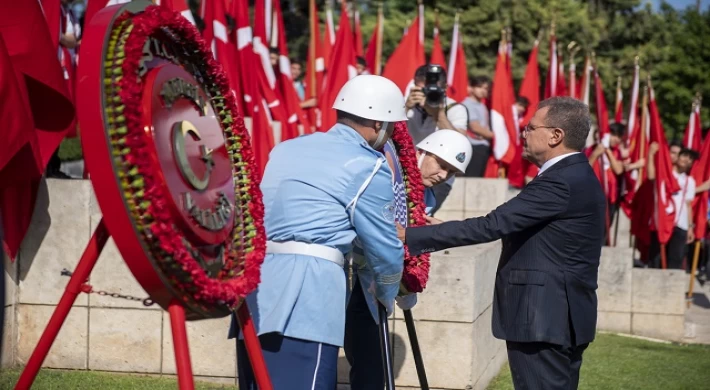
553	161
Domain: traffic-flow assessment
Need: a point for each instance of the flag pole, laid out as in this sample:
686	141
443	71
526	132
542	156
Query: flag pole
693	269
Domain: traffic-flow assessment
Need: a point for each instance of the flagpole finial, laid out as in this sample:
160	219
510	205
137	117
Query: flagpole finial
636	60
552	27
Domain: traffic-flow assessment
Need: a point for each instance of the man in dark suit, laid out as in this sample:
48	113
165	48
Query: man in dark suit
545	303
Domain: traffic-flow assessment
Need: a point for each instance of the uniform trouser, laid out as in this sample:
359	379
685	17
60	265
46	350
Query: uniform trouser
293	364
362	344
543	366
675	249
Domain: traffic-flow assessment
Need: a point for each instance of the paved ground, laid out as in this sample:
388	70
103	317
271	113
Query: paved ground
697	318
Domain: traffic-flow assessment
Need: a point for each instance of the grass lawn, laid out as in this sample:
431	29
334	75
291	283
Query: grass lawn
89	380
617	362
611	362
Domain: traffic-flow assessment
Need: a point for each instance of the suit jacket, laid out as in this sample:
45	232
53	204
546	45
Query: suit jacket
552	234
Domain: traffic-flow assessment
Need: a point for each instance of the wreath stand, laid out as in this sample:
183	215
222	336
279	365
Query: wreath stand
77	284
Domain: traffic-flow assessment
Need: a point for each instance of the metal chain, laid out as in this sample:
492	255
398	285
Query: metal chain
87	288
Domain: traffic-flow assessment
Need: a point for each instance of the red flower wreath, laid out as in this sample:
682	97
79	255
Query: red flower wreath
416	268
245	252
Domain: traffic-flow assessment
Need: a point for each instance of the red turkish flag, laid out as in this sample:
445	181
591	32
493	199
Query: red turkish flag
340	70
657	193
551	86
530	89
373	57
637	143
262	135
358	35
458	72
33	56
701	174
502	123
408	56
437	53
292	103
329	38
692	139
179	6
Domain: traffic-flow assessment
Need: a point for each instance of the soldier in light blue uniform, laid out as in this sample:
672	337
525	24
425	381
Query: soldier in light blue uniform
440	156
320	192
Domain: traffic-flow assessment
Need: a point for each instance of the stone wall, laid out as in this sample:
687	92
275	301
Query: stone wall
640	301
473	197
112	334
453	317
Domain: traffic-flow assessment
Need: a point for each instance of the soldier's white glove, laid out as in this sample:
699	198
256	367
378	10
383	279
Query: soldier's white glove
406	302
388	305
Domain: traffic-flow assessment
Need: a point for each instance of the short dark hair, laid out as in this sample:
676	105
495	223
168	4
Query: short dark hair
348	118
523	101
478	81
689	152
570	115
675	142
617	129
296	61
420	74
361	60
274	50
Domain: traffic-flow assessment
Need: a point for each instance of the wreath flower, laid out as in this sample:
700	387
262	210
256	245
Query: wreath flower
176	257
416	268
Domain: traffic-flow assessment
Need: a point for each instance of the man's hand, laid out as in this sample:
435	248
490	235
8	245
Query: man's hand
691	235
435	111
599	150
653	148
401	233
432	221
416	97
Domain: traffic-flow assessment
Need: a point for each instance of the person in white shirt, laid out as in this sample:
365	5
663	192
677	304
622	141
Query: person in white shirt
480	133
683	232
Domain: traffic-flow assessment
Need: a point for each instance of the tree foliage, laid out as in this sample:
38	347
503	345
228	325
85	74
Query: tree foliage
673	45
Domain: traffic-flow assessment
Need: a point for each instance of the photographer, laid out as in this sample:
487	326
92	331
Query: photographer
429	109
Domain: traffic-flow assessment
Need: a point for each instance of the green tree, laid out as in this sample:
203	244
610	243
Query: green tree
673	45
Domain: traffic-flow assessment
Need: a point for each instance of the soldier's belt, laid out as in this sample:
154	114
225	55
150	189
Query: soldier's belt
302	248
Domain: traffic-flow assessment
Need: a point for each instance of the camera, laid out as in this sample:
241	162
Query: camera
435	94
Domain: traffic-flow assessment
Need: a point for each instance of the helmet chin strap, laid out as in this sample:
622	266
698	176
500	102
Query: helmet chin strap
383	134
420	160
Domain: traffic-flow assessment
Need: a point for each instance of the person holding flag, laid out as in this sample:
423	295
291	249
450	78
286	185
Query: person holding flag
610	151
440	155
683	232
320	191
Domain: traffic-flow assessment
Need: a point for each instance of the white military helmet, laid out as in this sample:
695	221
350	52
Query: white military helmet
372	97
450	146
